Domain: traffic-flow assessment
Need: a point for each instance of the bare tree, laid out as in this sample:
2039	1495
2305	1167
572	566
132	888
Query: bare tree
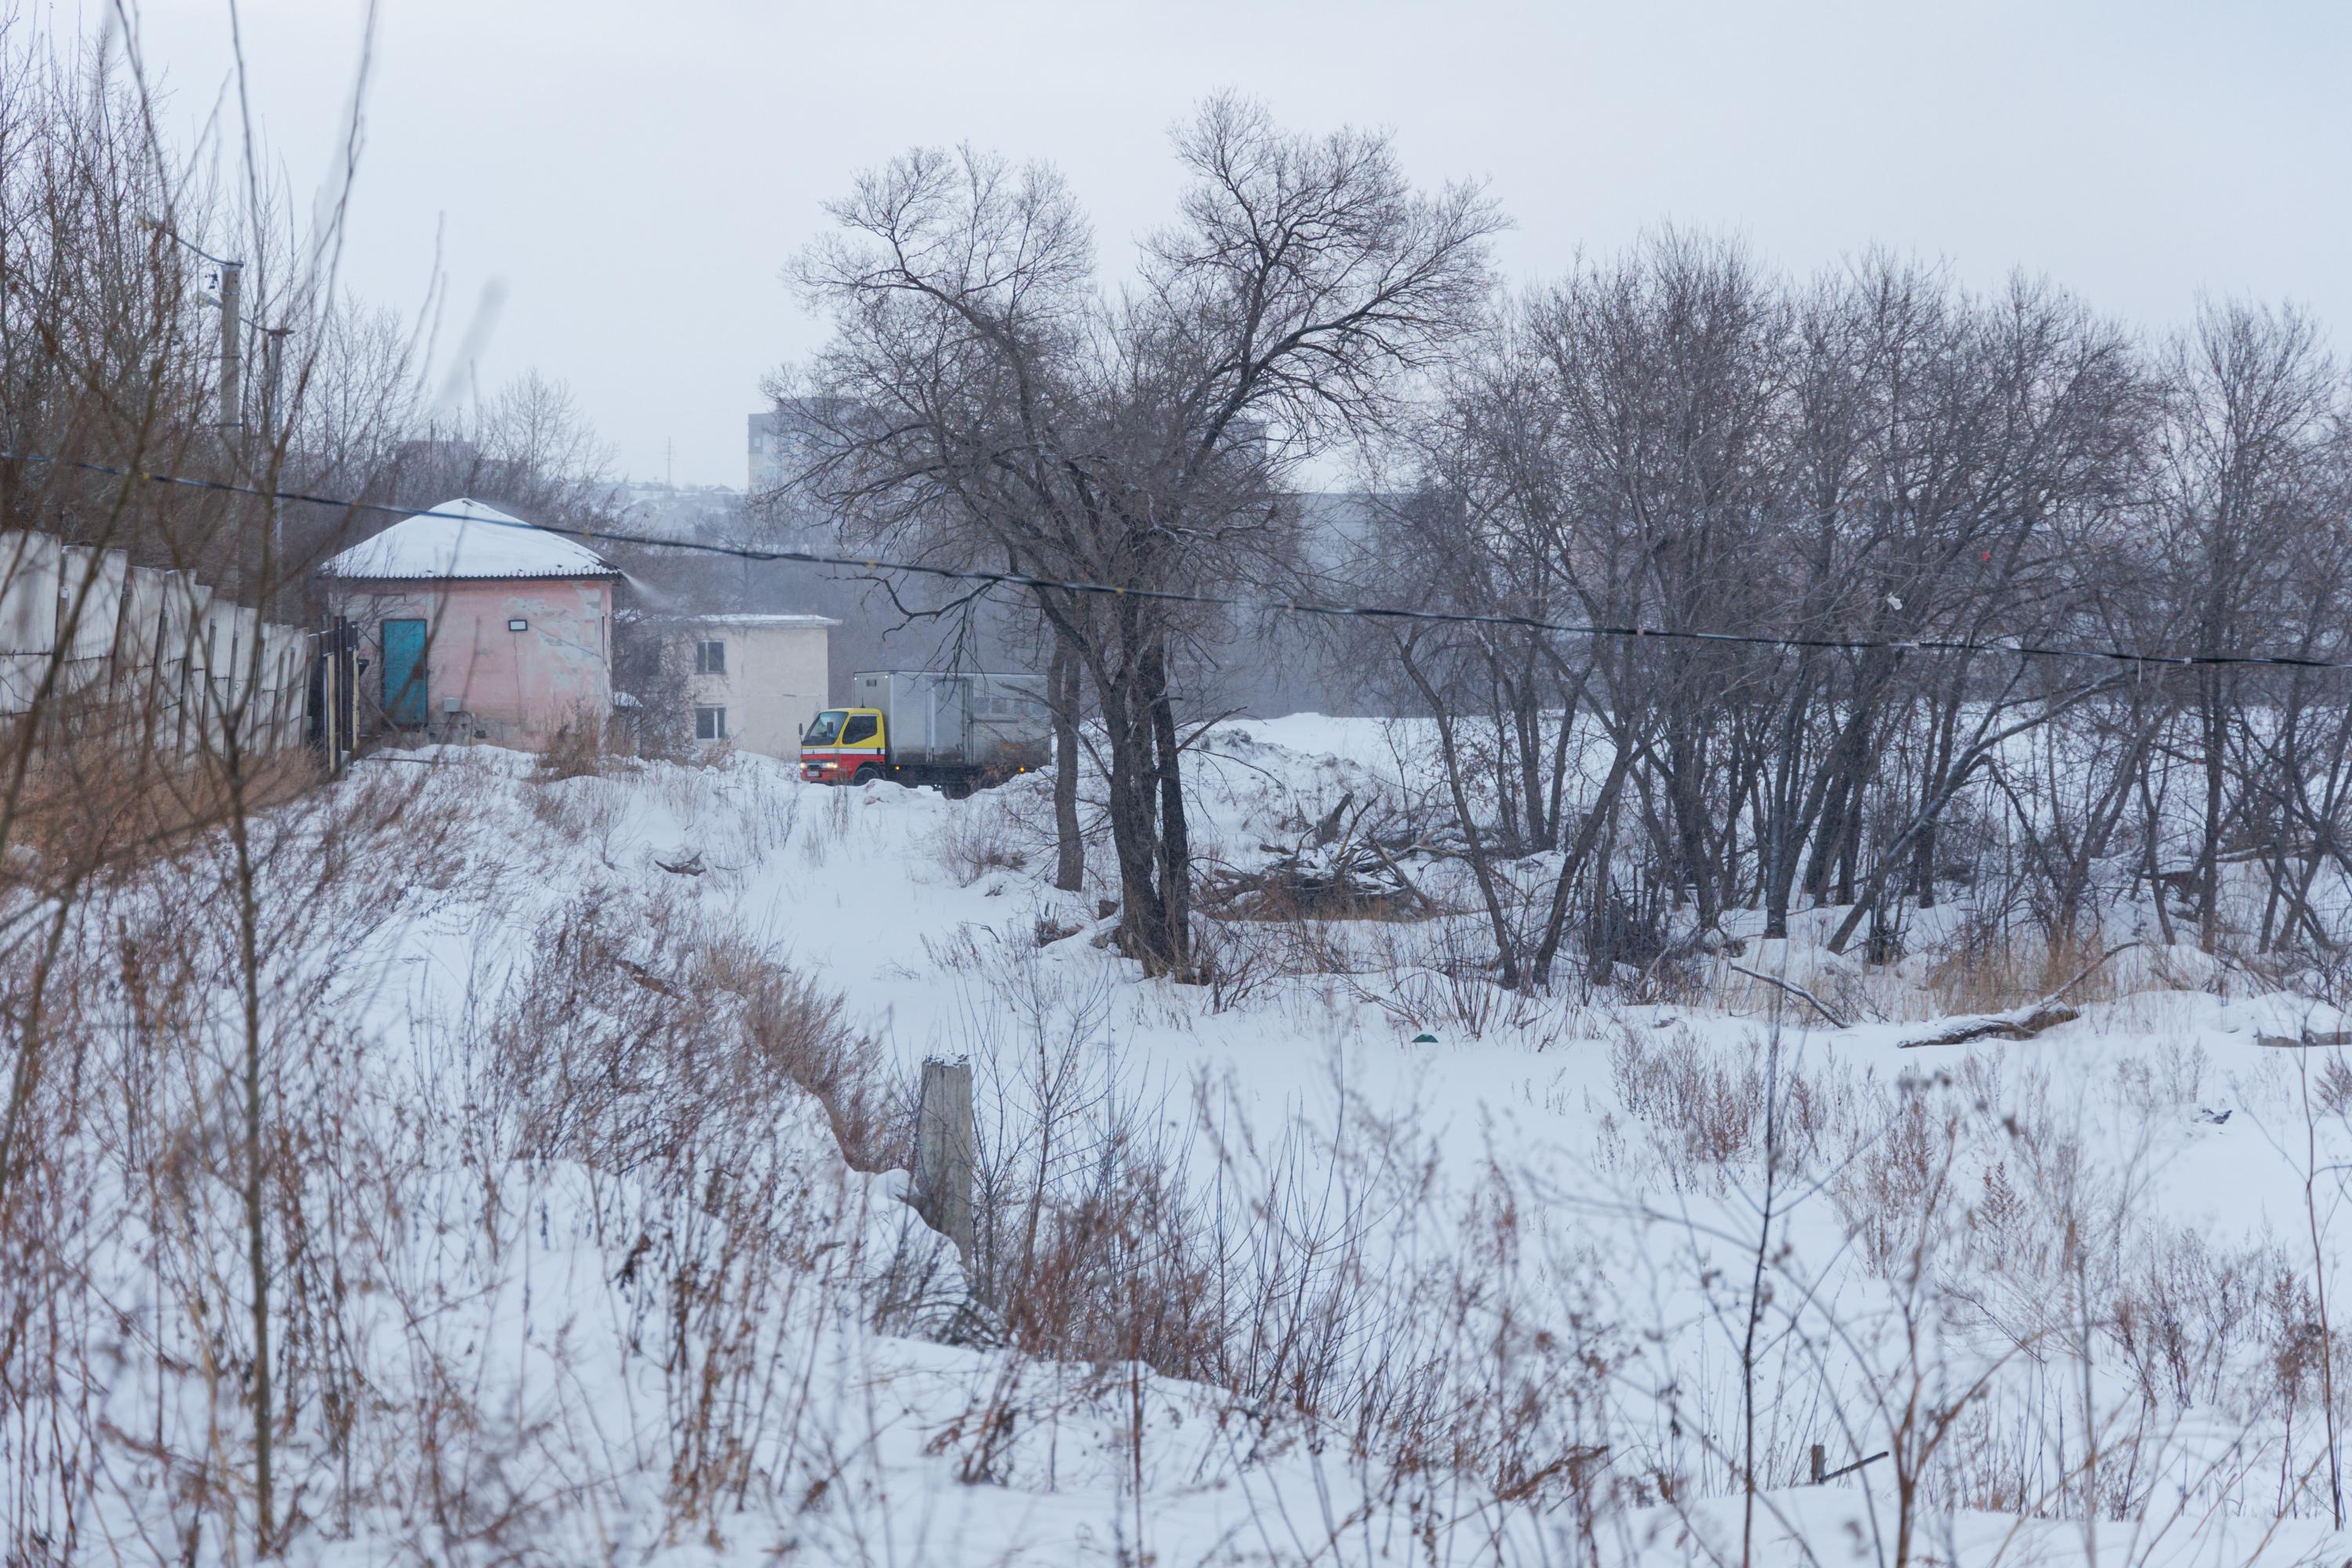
2249	420
988	404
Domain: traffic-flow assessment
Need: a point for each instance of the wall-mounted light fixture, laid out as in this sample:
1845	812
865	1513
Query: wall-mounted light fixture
518	624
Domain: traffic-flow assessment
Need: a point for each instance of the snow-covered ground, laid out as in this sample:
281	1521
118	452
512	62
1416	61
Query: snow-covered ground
1516	1286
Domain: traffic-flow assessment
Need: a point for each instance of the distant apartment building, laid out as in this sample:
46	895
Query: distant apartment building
767	467
786	439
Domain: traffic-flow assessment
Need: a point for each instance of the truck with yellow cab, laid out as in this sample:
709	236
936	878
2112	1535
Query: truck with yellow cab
956	731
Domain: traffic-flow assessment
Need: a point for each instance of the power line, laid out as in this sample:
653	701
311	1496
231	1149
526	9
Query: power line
1262	606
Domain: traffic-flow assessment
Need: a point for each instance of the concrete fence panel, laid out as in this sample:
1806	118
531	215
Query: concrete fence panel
168	657
31	567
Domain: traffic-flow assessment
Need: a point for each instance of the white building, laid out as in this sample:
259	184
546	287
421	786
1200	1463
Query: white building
759	678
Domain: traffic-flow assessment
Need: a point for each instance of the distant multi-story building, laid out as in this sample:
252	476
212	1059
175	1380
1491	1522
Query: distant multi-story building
767	455
784	441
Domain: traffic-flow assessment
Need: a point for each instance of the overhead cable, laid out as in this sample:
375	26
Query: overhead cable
1255	606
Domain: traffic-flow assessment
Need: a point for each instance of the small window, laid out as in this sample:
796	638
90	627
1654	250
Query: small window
710	723
711	659
859	730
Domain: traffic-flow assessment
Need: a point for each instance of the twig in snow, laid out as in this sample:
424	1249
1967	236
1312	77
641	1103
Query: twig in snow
1797	991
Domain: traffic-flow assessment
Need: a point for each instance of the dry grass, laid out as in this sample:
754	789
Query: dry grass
636	1032
1991	966
99	806
586	744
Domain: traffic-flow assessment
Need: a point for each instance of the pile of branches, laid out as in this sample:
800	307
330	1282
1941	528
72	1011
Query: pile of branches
1341	868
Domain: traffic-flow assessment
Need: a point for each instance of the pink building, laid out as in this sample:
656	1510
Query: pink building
478	626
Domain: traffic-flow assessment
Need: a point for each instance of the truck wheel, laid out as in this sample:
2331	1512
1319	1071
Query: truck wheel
867	774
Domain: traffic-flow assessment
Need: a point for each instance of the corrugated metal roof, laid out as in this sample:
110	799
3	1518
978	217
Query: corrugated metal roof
464	539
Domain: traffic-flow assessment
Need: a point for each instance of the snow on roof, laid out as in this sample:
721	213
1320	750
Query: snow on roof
749	620
463	537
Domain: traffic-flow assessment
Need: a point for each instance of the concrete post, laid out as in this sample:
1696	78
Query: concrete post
943	1152
232	386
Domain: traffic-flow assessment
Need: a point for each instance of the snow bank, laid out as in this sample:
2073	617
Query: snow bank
603	1293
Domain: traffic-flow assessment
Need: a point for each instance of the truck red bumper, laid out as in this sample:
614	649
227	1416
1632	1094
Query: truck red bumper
828	768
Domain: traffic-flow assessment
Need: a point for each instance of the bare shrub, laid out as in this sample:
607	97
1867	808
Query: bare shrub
978	841
1705	1105
1685	1093
585	745
1236	966
1440	975
2333	1092
2183	1317
763	809
1317	1278
635	1034
828	827
1243	962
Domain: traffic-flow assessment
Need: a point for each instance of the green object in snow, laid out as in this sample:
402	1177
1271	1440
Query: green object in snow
1424	1040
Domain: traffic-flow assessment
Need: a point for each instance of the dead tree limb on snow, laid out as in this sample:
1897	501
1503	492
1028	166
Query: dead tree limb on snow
1336	871
1397	871
2017	1024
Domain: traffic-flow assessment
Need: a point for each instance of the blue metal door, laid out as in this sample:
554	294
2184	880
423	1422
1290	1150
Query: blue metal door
403	673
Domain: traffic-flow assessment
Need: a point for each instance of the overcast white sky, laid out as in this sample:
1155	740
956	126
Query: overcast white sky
634	175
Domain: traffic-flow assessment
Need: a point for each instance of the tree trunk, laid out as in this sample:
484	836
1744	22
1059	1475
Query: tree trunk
1062	690
1528	715
1596	823
1685	799
2208	855
1781	839
1175	837
1134	828
1507	952
1829	839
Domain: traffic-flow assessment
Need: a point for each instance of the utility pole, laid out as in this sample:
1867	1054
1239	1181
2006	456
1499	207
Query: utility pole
232	392
231	303
273	355
273	347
